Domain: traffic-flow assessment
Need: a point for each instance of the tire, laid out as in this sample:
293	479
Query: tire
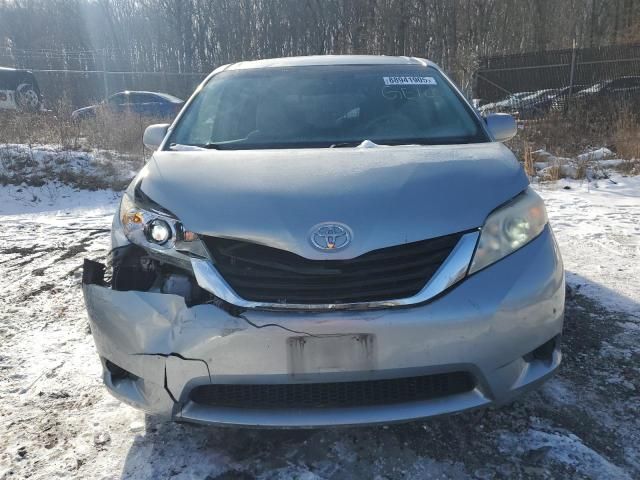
27	98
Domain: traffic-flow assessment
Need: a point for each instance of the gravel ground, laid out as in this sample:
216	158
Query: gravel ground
57	421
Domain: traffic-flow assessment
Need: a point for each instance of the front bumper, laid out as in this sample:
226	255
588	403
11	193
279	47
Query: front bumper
488	326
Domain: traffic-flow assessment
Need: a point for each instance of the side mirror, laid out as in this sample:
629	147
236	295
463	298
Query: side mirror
502	126
154	135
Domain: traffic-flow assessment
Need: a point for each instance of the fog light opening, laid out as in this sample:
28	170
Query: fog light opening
118	373
544	352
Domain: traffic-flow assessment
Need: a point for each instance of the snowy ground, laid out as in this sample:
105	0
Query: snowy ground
56	420
42	165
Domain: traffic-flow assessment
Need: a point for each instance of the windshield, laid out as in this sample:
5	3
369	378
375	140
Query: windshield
320	106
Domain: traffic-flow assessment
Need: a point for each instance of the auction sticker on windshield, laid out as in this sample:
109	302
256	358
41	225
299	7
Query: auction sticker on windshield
409	81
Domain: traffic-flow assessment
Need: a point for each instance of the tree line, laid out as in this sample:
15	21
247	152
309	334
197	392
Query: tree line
199	35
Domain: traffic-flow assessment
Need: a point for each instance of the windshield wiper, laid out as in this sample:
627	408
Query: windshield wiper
183	147
212	146
345	144
209	146
400	143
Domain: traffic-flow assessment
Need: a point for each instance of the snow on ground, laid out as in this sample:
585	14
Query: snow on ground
593	164
57	421
54	199
40	165
598	226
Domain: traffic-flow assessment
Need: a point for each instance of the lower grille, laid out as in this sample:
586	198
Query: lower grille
265	274
338	394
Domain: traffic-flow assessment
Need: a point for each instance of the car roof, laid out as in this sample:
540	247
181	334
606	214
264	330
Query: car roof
127	92
166	96
328	60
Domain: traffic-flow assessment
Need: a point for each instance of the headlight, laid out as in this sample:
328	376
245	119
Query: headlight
159	231
148	225
509	228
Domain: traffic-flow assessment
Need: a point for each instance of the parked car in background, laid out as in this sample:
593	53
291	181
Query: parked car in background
506	104
530	107
19	90
541	103
146	104
522	104
559	100
622	88
327	240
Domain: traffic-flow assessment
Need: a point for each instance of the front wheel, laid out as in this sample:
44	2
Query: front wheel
27	98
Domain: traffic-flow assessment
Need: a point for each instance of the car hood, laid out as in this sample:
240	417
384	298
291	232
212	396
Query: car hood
385	195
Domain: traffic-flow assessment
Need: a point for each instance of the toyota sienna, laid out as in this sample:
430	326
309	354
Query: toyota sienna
330	240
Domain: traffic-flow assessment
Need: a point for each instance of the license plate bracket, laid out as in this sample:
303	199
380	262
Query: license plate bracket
331	353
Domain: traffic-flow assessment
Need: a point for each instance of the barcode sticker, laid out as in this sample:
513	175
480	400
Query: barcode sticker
409	81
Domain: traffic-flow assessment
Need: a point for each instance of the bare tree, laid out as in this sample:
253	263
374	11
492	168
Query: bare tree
198	35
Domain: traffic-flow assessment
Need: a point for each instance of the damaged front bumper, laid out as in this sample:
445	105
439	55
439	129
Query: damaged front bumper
500	327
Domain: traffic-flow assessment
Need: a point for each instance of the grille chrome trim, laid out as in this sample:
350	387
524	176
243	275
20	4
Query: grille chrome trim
452	270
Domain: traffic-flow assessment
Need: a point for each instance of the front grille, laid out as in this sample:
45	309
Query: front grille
338	394
265	274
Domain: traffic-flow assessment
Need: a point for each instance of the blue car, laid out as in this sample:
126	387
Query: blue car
147	104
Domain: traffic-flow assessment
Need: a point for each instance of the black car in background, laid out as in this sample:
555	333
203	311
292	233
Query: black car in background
607	95
146	104
524	105
19	90
541	105
621	88
599	96
530	106
505	105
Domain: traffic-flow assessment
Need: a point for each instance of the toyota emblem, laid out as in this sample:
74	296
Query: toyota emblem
330	236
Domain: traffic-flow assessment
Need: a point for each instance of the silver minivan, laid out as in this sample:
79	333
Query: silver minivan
330	240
